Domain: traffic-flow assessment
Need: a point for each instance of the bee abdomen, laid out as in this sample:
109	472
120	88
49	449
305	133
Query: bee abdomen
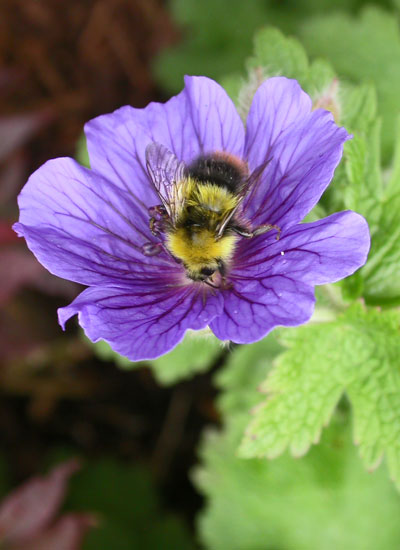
219	169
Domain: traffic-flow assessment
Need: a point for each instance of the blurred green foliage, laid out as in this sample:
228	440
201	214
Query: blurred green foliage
362	43
193	355
81	154
381	273
127	506
217	36
321	501
362	48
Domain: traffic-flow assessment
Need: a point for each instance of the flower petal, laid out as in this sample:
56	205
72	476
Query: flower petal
30	508
213	117
303	150
278	105
202	118
273	280
317	253
84	228
255	306
142	322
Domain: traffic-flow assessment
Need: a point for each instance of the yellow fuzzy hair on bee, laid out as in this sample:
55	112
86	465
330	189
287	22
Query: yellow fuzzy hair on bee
201	211
194	238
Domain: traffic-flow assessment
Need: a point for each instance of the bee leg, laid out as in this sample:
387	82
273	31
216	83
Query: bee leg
221	267
158	216
212	286
223	286
222	271
267	227
243	232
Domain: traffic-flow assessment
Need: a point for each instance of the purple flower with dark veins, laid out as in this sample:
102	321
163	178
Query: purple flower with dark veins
187	219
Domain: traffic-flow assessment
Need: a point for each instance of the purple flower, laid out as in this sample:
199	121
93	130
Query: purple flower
91	226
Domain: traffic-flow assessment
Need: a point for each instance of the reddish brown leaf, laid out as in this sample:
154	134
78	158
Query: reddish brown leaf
30	508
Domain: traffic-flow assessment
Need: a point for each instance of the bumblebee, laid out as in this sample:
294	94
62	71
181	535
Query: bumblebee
199	216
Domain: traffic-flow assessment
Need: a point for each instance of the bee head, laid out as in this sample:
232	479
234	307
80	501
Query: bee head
206	272
201	274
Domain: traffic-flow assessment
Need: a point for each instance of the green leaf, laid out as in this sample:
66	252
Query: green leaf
319	78
244	369
321	501
358	353
353	287
381	273
303	392
357	183
358	106
393	184
103	350
128	508
278	55
82	155
195	354
365	189
120	484
380	204
233	84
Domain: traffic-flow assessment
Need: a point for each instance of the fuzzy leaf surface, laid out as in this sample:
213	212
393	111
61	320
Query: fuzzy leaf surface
358	353
321	501
382	284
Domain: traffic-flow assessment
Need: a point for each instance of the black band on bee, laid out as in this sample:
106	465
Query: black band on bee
219	169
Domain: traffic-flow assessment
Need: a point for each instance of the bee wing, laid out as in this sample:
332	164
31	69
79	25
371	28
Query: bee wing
252	184
167	175
248	189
